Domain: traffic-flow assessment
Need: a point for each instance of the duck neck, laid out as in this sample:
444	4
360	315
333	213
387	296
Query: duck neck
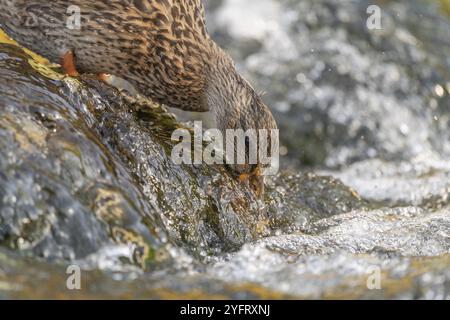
225	91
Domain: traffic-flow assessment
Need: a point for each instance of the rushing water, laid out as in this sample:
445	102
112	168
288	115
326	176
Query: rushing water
360	209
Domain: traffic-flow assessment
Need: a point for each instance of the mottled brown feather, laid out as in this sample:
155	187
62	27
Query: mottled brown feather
162	47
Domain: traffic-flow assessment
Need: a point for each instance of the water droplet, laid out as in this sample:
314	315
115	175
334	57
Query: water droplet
404	128
439	90
301	78
283	150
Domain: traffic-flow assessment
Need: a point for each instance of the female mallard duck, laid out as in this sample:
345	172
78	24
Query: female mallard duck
160	46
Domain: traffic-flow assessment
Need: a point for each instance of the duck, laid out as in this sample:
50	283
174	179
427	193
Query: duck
161	47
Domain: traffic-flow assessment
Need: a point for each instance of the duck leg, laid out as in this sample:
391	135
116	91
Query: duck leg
68	64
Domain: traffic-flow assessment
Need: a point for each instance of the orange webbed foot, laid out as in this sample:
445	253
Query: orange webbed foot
68	64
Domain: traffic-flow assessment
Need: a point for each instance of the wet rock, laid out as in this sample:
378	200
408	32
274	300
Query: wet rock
79	170
298	200
58	184
84	167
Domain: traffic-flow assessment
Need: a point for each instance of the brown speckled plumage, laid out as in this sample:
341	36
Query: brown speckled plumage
160	46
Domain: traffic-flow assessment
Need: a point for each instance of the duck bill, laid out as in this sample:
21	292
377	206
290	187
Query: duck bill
257	183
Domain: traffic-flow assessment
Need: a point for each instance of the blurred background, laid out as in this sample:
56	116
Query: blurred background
360	209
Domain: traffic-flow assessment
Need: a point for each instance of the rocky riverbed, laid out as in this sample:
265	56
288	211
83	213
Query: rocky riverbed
360	209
